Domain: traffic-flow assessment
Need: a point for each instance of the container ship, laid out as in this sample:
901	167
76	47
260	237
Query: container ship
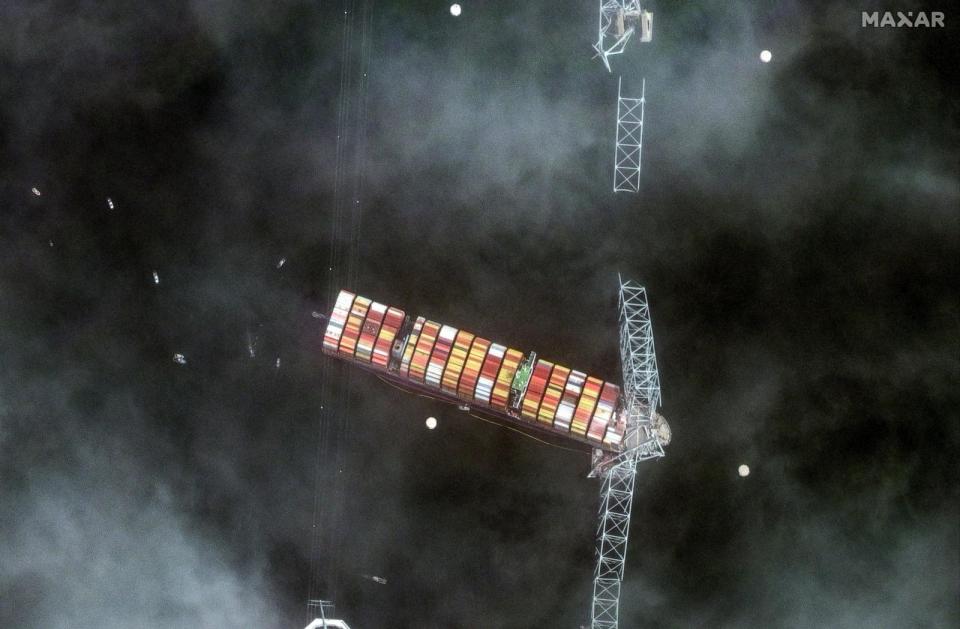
478	375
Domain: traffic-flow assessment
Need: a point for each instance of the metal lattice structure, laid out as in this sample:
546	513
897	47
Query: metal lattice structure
619	21
641	389
638	358
324	609
627	155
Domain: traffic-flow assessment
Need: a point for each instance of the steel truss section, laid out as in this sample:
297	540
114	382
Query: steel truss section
641	387
627	154
638	356
619	20
612	533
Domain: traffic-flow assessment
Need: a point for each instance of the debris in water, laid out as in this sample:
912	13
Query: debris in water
156	277
278	362
180	359
315	314
379	580
35	191
110	203
50	242
281	262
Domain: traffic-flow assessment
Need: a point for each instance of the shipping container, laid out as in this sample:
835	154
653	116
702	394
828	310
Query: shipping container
551	399
351	333
508	369
388	332
441	352
588	400
471	370
421	355
614	437
458	358
337	321
569	399
538	384
615	430
488	373
369	331
604	412
411	345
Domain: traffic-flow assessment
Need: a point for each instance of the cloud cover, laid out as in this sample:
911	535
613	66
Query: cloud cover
797	231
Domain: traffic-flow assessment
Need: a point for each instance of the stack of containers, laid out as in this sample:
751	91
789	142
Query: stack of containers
508	369
369	331
441	352
551	399
338	319
351	333
391	325
535	390
606	407
411	344
474	370
571	393
458	359
421	353
488	373
471	370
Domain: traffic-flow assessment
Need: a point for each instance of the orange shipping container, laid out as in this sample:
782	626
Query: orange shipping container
441	351
458	358
421	355
604	412
501	390
369	331
411	345
538	384
551	399
388	332
588	400
488	373
351	334
471	370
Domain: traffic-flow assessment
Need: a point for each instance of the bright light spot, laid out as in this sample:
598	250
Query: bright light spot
281	262
35	191
110	203
431	422
743	471
455	9
156	277
180	359
766	56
